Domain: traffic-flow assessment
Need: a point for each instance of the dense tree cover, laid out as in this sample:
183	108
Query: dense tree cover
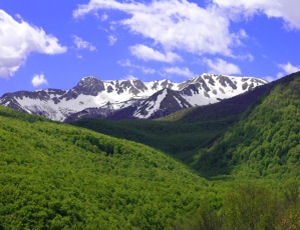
265	143
249	205
179	139
55	176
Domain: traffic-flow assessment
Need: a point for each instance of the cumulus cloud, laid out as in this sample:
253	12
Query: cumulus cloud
287	68
176	24
220	66
186	72
38	80
81	44
286	10
18	39
147	53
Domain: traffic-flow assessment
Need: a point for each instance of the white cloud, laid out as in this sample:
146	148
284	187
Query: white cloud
144	69
287	68
38	80
186	72
130	77
247	57
147	53
18	39
104	17
220	66
268	78
176	24
287	10
81	44
112	40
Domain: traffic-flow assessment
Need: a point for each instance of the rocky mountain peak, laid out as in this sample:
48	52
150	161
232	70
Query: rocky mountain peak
86	86
89	86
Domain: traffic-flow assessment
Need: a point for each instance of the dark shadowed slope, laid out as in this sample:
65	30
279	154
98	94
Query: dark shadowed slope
264	143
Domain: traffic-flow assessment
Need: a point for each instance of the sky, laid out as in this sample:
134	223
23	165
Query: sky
55	43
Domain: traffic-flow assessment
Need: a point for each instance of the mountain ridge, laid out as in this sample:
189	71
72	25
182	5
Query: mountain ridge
188	133
266	142
92	97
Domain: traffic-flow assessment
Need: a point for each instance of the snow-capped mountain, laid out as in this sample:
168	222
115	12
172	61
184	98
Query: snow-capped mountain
121	99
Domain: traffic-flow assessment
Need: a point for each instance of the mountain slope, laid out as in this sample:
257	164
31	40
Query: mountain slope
92	97
256	156
266	142
55	176
188	134
231	107
181	135
180	140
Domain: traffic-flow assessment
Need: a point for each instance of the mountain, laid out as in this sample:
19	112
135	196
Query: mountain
182	133
248	146
128	99
207	137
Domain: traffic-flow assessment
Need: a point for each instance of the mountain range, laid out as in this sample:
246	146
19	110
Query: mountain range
128	99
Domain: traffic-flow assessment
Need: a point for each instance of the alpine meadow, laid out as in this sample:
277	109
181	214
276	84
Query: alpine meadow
236	168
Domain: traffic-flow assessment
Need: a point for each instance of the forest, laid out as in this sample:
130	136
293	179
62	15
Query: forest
229	172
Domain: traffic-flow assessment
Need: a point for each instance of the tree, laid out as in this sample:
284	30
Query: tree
249	207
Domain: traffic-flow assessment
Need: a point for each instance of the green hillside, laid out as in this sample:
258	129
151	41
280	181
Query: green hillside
58	176
265	143
55	176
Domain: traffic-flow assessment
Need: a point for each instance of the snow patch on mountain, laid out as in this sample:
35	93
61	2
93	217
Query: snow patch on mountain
92	97
151	106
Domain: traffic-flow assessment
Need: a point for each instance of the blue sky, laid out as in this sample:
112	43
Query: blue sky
54	43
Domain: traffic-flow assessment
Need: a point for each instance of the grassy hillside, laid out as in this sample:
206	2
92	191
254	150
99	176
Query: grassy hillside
55	176
265	143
